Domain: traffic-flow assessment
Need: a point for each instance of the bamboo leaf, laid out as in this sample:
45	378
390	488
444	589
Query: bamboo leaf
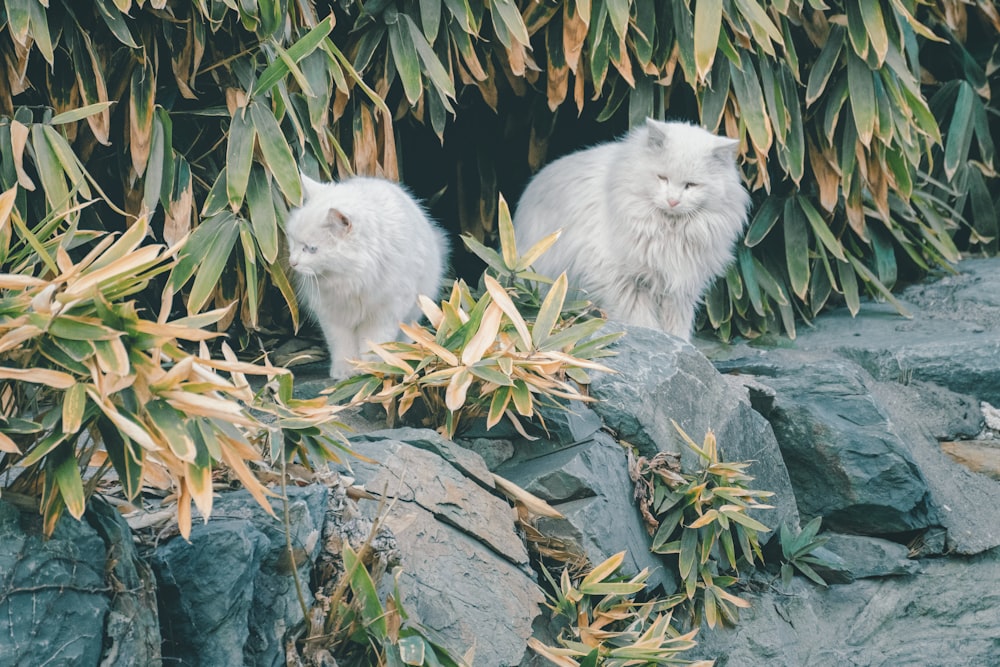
432	65
239	156
707	25
403	48
862	97
67	476
549	312
796	247
277	154
277	70
959	138
820	228
874	23
824	65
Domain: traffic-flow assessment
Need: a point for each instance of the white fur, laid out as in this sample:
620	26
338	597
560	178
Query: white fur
638	257
360	280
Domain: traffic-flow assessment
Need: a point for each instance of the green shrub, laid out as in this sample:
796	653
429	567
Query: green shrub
602	621
88	380
699	519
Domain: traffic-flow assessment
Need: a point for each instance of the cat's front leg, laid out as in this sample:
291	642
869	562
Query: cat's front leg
343	344
676	316
635	306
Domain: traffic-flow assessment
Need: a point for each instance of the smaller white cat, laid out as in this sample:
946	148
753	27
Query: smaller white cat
648	221
362	250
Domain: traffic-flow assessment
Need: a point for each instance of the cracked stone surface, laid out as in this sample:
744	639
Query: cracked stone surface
465	572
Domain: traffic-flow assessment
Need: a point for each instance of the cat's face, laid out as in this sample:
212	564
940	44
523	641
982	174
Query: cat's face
319	232
688	168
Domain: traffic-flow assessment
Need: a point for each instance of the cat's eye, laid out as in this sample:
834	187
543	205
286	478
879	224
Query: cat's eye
311	249
663	178
688	186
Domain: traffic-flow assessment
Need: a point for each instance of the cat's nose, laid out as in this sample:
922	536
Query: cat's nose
673	202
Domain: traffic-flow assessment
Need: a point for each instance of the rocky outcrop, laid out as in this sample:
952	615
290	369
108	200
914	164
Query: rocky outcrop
80	597
229	596
464	569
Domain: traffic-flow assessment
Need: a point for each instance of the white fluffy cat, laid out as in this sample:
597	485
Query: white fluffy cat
648	221
362	250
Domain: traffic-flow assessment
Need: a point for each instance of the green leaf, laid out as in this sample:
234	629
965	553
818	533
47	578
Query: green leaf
856	29
170	423
432	66
749	272
296	52
212	261
80	113
875	28
820	228
707	25
116	22
67	476
126	460
262	214
403	50
753	109
959	138
763	221
277	154
689	550
372	614
510	16
239	156
849	286
824	65
862	97
40	29
796	247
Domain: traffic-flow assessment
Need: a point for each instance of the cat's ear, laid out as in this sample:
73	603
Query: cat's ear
310	188
656	135
727	149
339	223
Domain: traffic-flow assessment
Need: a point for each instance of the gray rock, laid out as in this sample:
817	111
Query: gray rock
952	341
661	378
465	572
927	619
589	485
494	451
845	459
132	631
958	494
228	596
53	595
870	556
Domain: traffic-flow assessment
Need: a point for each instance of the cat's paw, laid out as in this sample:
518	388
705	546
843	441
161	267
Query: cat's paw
341	369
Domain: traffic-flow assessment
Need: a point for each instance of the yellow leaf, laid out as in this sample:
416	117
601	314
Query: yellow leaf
502	299
431	310
530	501
16	281
455	394
486	337
128	427
184	511
51	378
7	205
7	445
422	337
